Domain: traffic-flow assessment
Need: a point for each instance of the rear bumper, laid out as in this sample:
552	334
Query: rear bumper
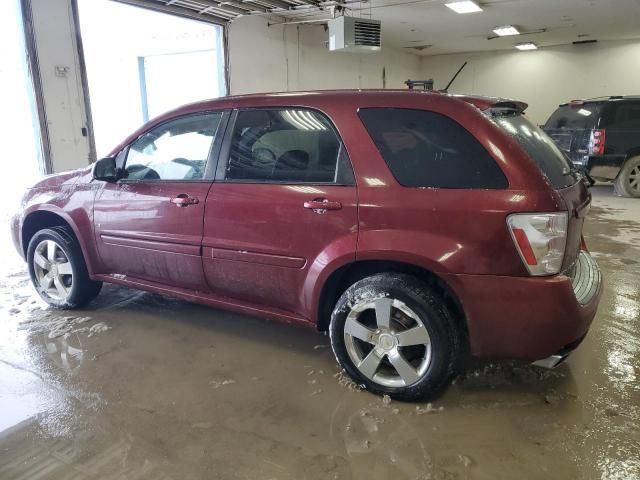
552	361
529	318
605	167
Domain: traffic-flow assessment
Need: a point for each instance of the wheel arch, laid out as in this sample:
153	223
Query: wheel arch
632	153
620	181
40	219
629	155
346	275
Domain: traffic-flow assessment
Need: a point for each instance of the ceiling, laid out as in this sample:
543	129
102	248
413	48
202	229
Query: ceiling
563	22
427	27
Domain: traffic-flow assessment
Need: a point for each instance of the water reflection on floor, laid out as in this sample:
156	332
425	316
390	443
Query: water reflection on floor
139	386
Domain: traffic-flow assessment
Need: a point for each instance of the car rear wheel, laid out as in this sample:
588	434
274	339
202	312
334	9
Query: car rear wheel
394	335
58	270
627	183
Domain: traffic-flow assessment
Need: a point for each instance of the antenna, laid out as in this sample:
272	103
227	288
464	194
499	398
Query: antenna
446	89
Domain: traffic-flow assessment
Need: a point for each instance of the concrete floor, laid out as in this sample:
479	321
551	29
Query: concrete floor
150	388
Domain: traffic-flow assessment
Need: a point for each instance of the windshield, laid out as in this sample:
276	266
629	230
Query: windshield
574	116
541	148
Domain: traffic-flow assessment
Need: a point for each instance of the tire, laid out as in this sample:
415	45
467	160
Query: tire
361	336
61	287
627	183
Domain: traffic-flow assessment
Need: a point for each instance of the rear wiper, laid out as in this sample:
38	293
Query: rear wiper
589	179
581	173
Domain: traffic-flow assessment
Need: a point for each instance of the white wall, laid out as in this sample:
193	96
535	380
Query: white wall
543	78
63	98
295	57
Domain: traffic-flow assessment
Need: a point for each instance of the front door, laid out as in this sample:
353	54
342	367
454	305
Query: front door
148	225
283	203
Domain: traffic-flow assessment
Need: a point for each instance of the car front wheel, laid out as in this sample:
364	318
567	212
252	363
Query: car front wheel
58	270
394	335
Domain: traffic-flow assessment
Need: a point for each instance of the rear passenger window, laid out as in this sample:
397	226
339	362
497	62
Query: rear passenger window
288	145
624	116
426	149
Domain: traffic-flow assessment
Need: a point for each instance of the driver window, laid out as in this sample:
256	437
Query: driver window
176	150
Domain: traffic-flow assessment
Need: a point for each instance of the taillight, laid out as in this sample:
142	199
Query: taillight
540	239
596	143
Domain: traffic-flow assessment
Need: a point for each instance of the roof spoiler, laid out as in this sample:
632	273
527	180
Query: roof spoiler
502	107
511	105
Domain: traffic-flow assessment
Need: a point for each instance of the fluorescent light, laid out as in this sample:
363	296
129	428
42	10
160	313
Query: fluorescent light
506	30
527	46
466	6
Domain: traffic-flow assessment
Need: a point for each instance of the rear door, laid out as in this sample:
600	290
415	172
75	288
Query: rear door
148	225
283	205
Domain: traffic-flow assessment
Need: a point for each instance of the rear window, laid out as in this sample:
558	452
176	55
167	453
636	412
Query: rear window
575	116
541	148
425	149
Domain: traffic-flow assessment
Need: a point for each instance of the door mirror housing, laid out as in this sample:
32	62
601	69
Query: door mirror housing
105	170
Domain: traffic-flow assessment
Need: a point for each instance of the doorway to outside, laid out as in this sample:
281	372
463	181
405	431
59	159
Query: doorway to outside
19	124
141	63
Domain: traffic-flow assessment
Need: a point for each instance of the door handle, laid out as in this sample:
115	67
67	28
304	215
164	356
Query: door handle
184	200
321	205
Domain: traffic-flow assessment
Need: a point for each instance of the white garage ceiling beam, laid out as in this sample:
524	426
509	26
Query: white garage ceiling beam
227	5
275	4
226	10
181	11
209	7
246	6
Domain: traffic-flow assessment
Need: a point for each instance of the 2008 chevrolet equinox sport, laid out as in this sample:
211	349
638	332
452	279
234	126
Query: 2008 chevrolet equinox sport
414	227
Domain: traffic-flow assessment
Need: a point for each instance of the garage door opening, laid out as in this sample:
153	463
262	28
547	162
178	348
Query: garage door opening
23	158
141	63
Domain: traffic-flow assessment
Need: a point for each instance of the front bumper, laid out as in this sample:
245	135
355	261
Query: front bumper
14	226
529	318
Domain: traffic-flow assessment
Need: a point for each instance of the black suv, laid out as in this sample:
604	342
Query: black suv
601	136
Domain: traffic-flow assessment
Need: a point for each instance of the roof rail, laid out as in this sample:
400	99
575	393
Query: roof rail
599	99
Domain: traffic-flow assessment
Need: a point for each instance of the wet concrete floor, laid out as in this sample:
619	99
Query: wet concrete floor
142	387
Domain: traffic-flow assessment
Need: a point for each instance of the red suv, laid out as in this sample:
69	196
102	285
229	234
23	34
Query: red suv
414	227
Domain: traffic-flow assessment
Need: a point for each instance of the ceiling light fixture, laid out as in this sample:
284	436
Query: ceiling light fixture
506	30
527	46
466	6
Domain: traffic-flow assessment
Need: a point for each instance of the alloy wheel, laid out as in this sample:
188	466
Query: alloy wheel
387	342
53	272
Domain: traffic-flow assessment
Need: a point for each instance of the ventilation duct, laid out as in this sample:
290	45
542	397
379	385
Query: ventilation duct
350	34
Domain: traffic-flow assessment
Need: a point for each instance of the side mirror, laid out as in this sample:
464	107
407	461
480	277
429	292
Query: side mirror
105	170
